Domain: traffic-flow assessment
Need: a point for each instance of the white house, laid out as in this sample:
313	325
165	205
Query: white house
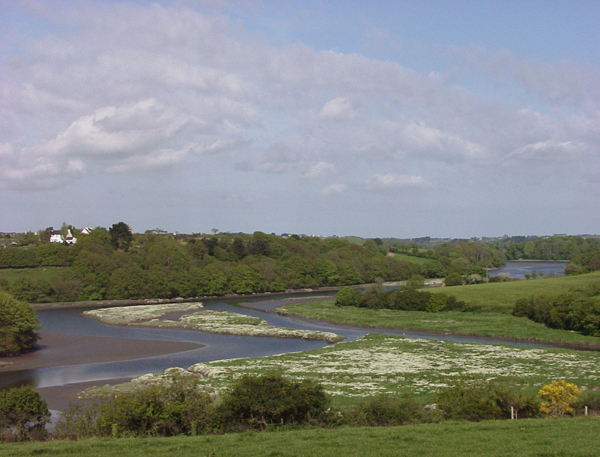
56	237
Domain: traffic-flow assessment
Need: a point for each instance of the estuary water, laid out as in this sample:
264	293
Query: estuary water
215	347
519	268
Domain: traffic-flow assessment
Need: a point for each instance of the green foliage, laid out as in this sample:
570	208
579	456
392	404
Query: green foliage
22	413
453	279
257	402
121	236
387	410
405	299
347	296
18	325
578	310
470	399
178	407
551	248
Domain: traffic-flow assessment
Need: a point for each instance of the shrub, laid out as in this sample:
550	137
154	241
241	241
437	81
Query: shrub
387	410
471	399
23	412
347	296
559	398
256	402
453	279
175	408
524	406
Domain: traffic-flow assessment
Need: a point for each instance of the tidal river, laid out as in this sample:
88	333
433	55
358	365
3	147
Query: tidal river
66	366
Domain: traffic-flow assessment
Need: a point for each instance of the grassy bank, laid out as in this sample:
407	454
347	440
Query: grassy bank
539	437
493	325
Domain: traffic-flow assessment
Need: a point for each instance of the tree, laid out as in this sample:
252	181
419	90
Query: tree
18	326
347	296
120	236
23	410
453	279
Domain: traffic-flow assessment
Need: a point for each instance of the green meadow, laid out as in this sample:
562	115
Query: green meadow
575	437
501	296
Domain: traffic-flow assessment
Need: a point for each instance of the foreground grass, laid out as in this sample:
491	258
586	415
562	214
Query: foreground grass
575	437
501	296
493	325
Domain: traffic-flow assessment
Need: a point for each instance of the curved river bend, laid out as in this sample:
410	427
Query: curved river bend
215	347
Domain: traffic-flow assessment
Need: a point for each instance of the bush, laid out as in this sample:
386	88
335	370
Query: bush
471	399
347	296
453	279
18	325
256	402
387	410
23	413
176	408
524	406
559	398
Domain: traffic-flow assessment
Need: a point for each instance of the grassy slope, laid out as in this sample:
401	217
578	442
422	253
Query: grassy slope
501	296
411	259
560	437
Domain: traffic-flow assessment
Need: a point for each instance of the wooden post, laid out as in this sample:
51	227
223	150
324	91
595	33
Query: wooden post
512	412
586	410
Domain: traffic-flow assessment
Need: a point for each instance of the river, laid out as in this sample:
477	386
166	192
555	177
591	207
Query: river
214	347
519	268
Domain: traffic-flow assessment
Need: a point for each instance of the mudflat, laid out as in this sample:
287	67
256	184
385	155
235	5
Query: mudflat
58	349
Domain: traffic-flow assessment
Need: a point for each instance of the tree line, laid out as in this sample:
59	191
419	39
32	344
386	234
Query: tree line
115	264
577	310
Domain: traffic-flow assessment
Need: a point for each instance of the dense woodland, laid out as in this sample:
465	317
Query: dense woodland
117	264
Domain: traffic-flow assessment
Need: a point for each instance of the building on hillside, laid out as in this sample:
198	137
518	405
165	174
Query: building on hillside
57	237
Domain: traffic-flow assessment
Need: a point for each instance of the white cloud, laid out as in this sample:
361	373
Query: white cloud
334	189
395	181
338	109
320	169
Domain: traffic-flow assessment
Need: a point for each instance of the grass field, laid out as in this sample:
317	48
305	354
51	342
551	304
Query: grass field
495	325
411	259
501	296
536	437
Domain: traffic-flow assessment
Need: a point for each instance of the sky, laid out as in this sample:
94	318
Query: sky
377	119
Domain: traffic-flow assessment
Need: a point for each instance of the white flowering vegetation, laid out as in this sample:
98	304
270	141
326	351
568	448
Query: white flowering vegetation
384	364
202	319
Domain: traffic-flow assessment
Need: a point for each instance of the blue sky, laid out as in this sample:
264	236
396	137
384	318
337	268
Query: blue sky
377	119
